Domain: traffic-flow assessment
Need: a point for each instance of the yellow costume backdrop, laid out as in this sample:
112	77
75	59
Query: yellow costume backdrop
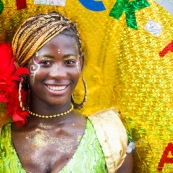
123	69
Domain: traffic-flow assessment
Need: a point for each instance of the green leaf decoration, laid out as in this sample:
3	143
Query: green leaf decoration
1	6
129	8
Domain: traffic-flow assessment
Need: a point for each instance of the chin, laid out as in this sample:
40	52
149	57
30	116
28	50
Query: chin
54	102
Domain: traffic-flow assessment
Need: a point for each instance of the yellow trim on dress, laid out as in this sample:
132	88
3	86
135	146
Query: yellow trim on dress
112	136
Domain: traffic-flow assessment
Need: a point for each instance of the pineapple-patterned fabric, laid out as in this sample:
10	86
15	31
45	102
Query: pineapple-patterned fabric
128	48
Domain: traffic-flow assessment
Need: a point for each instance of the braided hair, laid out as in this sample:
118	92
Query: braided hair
36	31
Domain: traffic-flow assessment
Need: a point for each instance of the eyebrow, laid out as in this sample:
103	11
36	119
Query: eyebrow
69	56
47	56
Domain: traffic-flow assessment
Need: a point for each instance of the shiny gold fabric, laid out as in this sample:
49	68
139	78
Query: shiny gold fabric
112	136
122	69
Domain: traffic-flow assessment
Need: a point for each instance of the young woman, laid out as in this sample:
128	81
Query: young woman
47	134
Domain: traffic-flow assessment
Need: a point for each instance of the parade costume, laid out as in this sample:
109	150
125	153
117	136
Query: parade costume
106	159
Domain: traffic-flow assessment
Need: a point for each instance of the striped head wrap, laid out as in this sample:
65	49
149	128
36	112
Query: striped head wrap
36	31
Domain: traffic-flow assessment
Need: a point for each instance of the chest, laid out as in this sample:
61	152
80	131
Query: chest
86	157
42	151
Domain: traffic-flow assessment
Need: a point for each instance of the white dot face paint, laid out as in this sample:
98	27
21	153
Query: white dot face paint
36	54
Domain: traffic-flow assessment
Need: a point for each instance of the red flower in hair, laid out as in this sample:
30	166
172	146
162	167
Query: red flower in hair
9	84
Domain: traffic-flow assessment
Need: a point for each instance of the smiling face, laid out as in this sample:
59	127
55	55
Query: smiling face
55	70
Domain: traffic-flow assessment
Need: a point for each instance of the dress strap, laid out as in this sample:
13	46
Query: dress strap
112	136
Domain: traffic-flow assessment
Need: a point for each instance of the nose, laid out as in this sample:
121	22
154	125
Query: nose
58	71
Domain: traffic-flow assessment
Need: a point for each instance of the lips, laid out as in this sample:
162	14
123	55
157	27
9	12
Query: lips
56	88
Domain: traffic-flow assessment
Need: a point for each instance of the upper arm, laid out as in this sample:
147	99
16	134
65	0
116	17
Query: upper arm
127	166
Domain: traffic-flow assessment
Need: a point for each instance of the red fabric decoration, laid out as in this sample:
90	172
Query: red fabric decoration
168	48
9	84
21	4
165	158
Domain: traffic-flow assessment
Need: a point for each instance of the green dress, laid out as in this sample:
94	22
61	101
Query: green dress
88	158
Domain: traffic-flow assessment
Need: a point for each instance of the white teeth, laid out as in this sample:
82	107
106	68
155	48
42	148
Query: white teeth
56	88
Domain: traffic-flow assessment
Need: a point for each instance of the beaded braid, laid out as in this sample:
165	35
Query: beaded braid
36	31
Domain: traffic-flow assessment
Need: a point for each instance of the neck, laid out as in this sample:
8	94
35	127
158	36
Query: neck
43	108
48	123
44	113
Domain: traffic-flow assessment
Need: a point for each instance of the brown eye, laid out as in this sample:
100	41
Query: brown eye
45	63
70	63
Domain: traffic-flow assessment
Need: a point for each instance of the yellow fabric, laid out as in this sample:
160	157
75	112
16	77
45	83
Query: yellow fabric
112	137
122	69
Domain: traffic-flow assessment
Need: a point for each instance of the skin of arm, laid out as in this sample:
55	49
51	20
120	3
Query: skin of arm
127	166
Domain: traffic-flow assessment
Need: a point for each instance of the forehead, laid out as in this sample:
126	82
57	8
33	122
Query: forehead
62	42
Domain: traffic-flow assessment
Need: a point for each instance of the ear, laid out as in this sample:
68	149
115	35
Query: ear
81	59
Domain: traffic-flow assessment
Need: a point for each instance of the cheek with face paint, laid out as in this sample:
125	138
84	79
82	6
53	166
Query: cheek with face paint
78	66
34	68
